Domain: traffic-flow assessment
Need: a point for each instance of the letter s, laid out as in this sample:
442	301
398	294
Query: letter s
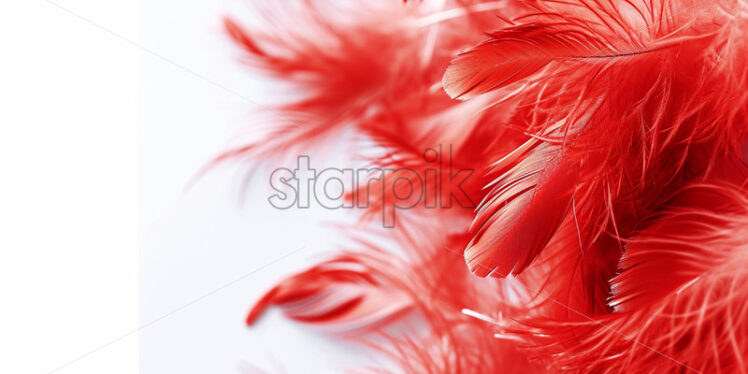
284	199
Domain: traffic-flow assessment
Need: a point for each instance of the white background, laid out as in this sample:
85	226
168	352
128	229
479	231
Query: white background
108	109
68	188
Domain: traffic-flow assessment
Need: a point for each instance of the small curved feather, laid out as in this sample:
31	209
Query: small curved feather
522	212
339	294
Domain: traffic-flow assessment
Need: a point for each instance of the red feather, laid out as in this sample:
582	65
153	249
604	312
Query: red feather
522	211
514	54
341	293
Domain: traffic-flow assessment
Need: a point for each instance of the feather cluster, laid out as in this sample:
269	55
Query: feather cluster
609	144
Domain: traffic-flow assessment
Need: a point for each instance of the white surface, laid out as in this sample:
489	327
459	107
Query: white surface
68	187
